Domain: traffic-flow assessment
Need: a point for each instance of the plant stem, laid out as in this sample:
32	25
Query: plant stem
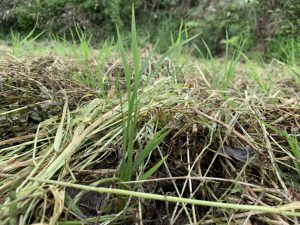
283	210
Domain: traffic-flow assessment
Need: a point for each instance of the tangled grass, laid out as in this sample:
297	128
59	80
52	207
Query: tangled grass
229	156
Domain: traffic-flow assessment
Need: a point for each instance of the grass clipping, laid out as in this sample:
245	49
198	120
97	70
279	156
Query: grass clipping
35	89
228	157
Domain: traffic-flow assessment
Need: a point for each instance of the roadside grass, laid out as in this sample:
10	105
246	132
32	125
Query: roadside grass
165	149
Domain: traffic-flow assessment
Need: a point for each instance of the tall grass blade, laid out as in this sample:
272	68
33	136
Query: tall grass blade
231	62
150	147
60	132
126	169
151	171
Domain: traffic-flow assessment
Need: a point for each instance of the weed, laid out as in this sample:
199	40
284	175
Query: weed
127	165
221	79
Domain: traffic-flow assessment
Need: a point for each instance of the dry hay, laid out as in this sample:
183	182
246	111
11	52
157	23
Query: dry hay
219	149
34	89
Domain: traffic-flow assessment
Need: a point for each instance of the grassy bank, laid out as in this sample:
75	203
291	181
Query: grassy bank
117	136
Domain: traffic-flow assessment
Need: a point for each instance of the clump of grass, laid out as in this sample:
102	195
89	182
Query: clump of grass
181	37
291	51
84	44
222	78
128	165
18	42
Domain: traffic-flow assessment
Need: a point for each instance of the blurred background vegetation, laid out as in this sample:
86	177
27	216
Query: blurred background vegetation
268	27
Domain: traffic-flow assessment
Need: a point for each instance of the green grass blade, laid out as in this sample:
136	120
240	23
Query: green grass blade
174	49
124	62
293	143
150	147
128	136
151	171
178	40
137	80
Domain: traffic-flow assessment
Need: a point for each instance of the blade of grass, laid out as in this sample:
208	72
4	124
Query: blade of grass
151	171
287	210
126	169
208	56
137	80
150	147
231	62
293	144
18	42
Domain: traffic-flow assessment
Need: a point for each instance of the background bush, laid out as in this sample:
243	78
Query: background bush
263	24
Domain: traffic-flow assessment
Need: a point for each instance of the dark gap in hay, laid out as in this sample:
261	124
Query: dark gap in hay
182	120
177	162
91	204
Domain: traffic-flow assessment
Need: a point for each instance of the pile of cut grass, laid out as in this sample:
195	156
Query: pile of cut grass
196	152
227	158
34	89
